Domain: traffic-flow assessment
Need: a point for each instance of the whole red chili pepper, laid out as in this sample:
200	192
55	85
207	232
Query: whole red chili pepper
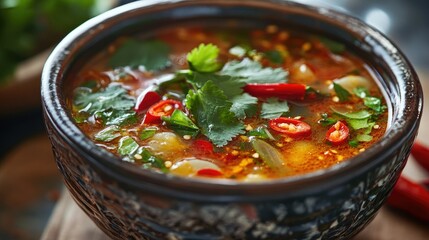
421	154
286	91
410	197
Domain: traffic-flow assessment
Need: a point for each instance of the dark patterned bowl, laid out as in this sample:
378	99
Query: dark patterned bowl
131	203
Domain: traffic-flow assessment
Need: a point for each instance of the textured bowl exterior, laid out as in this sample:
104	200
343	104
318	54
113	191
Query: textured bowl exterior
124	213
130	203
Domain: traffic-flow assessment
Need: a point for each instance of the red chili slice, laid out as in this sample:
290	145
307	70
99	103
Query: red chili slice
286	91
291	127
146	99
203	146
162	108
209	172
338	133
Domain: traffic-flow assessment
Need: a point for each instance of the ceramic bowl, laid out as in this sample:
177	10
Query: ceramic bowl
131	203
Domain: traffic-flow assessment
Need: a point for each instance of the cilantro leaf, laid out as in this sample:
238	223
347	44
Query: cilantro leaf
244	105
356	120
211	110
362	114
181	124
204	58
361	92
231	86
253	72
112	105
261	132
150	161
326	121
373	103
353	143
147	133
363	137
152	55
273	108
127	146
358	123
108	134
274	56
341	92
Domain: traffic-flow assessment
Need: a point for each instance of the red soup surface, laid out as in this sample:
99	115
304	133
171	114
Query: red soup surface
246	104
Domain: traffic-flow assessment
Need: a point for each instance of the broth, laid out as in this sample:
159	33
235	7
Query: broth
247	104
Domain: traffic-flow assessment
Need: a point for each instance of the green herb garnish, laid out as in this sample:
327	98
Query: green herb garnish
147	133
244	106
274	56
204	58
127	146
181	124
112	105
261	132
108	134
326	120
211	110
149	160
341	92
273	108
152	55
253	72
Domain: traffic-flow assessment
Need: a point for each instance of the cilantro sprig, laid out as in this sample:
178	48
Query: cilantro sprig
112	105
204	58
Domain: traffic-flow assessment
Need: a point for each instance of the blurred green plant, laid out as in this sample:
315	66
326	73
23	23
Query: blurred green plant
30	26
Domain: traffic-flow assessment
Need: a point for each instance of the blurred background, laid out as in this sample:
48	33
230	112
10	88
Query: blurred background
30	184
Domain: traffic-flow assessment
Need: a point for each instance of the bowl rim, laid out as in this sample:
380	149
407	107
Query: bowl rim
404	122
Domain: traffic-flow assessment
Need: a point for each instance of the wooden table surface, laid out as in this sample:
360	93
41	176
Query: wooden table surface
69	222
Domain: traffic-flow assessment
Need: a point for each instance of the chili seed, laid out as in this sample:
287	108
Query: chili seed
138	156
186	137
168	164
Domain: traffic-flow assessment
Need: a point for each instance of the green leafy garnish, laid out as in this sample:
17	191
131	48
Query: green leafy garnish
273	108
112	105
356	120
362	114
181	124
253	72
108	134
326	120
211	110
147	133
244	106
274	56
261	132
152	55
204	58
231	86
363	137
127	146
354	143
332	45
149	161
374	103
361	92
341	92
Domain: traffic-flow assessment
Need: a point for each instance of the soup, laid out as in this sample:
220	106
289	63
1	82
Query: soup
246	104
